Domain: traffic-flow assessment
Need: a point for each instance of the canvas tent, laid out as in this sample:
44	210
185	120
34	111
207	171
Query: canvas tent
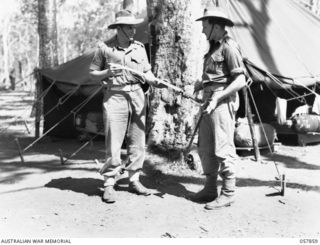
280	38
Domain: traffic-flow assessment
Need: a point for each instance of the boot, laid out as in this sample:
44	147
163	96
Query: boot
109	194
220	202
137	188
226	197
209	192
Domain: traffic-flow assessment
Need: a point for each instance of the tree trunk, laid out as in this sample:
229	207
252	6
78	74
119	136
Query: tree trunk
48	49
176	55
47	30
6	61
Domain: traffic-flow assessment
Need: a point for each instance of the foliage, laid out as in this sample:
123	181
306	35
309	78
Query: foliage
80	24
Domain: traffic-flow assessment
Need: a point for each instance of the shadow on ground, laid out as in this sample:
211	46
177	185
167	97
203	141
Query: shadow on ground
285	160
153	178
292	162
88	186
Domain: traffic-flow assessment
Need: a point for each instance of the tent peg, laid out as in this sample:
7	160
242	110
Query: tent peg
19	149
282	179
283	184
61	157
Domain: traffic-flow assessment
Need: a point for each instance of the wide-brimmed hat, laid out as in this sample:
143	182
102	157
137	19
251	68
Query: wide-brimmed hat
216	13
125	17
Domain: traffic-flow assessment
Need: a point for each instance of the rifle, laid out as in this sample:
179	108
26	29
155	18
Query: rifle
162	82
188	156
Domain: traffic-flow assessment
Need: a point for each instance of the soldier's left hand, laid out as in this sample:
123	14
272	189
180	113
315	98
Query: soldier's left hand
211	106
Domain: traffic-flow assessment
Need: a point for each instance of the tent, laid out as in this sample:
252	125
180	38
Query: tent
279	38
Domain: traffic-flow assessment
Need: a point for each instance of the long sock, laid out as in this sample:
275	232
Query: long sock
109	181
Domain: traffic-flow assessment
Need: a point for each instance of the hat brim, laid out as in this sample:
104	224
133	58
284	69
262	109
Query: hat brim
227	22
131	23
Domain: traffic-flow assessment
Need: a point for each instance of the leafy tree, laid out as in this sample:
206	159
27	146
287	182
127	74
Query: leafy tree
7	11
80	24
83	23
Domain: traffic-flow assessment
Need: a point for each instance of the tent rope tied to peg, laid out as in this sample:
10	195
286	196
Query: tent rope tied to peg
19	149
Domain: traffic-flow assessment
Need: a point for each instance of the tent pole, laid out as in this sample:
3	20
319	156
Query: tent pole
19	149
26	125
38	104
251	125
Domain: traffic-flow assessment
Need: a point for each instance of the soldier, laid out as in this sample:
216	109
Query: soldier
124	106
223	75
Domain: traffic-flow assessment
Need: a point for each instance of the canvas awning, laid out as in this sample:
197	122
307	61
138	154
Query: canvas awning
281	37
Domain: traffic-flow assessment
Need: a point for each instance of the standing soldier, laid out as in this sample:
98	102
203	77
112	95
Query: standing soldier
124	106
223	75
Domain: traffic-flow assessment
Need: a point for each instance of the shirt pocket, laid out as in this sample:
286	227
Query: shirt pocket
114	58
136	63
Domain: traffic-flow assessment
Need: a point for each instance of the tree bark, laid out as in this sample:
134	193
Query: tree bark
48	49
47	30
6	61
176	55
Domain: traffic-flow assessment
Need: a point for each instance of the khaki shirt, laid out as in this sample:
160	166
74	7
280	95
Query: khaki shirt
134	57
220	68
224	62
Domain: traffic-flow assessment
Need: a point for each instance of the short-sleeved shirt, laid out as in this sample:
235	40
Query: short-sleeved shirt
134	57
224	62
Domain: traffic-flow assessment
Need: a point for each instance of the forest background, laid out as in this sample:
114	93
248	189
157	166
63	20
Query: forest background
39	34
80	25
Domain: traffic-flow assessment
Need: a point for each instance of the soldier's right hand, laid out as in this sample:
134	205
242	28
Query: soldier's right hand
114	70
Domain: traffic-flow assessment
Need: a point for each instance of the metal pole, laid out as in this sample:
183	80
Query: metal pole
251	125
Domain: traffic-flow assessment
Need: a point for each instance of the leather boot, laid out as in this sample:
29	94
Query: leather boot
209	192
109	194
220	202
226	197
137	188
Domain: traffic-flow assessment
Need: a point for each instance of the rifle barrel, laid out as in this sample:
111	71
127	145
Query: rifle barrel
169	85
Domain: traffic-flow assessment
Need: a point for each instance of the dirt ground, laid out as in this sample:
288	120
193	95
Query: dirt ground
42	198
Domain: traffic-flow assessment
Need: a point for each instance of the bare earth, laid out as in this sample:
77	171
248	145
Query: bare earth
42	198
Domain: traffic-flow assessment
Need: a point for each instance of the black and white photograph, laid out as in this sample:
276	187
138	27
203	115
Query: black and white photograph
159	119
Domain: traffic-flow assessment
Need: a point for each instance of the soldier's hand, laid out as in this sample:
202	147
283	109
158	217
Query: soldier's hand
114	70
211	106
